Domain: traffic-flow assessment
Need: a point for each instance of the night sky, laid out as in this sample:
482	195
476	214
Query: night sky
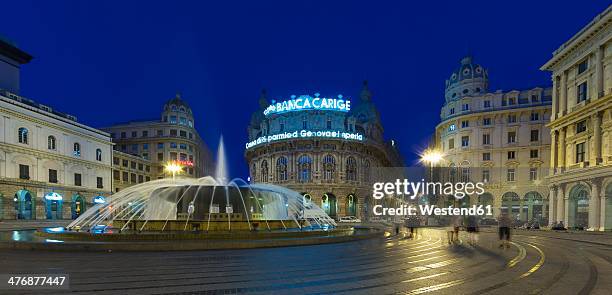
115	61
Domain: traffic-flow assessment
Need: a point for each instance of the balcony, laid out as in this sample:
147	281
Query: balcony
579	165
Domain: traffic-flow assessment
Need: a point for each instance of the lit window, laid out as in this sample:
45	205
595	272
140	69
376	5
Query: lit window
451	127
76	149
172	119
533	154
581	126
533	174
98	155
23	135
465	141
486	121
582	92
510	174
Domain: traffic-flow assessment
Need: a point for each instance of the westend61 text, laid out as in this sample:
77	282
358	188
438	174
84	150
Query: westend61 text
407	210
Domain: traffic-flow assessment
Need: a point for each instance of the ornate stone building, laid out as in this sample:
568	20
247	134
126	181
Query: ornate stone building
171	138
581	127
324	148
129	170
51	166
498	138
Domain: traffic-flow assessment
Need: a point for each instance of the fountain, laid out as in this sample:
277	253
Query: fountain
182	213
205	204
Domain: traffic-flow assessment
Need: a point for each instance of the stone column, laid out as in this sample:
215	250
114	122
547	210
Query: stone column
560	204
562	147
551	205
594	207
555	98
602	210
563	95
599	73
553	152
596	150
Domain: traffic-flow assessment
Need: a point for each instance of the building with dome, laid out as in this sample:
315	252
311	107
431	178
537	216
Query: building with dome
324	147
498	138
172	138
581	127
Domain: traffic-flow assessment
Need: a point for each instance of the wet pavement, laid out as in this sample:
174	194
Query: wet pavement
534	264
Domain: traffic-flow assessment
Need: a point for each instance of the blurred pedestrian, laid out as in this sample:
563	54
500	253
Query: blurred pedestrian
504	225
457	223
472	229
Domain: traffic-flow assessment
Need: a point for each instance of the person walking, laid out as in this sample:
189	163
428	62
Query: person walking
457	222
504	225
472	229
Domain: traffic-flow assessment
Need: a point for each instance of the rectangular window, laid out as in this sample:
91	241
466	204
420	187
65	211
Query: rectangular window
190	158
190	148
535	98
486	139
160	156
451	111
134	133
125	176
140	166
510	174
148	168
581	126
533	174
465	141
173	132
511	155
134	148
183	146
115	161
145	146
190	170
451	127
133	178
465	124
172	119
511	118
116	175
52	175
140	179
132	164
183	157
465	107
145	133
487	103
583	66
24	171
485	176
535	135
183	133
183	121
173	156
160	132
145	156
99	182
125	163
123	135
191	134
451	144
511	137
533	154
160	145
486	121
173	145
77	179
535	116
486	156
124	148
582	92
580	152
148	178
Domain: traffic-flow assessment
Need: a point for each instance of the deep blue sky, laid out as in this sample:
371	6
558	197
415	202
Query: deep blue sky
114	61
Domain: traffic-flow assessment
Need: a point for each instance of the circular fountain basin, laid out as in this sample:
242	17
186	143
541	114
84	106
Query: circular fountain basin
63	240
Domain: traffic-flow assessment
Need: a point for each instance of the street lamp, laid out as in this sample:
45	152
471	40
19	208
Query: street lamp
432	157
174	168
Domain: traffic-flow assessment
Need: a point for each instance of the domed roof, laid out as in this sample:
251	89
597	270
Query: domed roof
177	102
467	70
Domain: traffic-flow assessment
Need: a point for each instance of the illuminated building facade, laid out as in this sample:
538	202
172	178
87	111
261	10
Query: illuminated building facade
129	170
323	147
51	166
581	127
499	138
172	138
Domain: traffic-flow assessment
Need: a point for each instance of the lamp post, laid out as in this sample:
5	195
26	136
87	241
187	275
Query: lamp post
432	157
174	168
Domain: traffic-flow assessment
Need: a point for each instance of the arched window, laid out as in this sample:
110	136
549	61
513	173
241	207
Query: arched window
281	169
23	135
304	168
51	142
77	149
98	155
351	169
366	171
264	171
173	107
452	173
329	166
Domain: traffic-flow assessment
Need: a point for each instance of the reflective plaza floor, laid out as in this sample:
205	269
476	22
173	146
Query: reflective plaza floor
395	265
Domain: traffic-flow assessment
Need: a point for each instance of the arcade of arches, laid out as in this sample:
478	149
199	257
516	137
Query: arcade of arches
335	206
31	204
